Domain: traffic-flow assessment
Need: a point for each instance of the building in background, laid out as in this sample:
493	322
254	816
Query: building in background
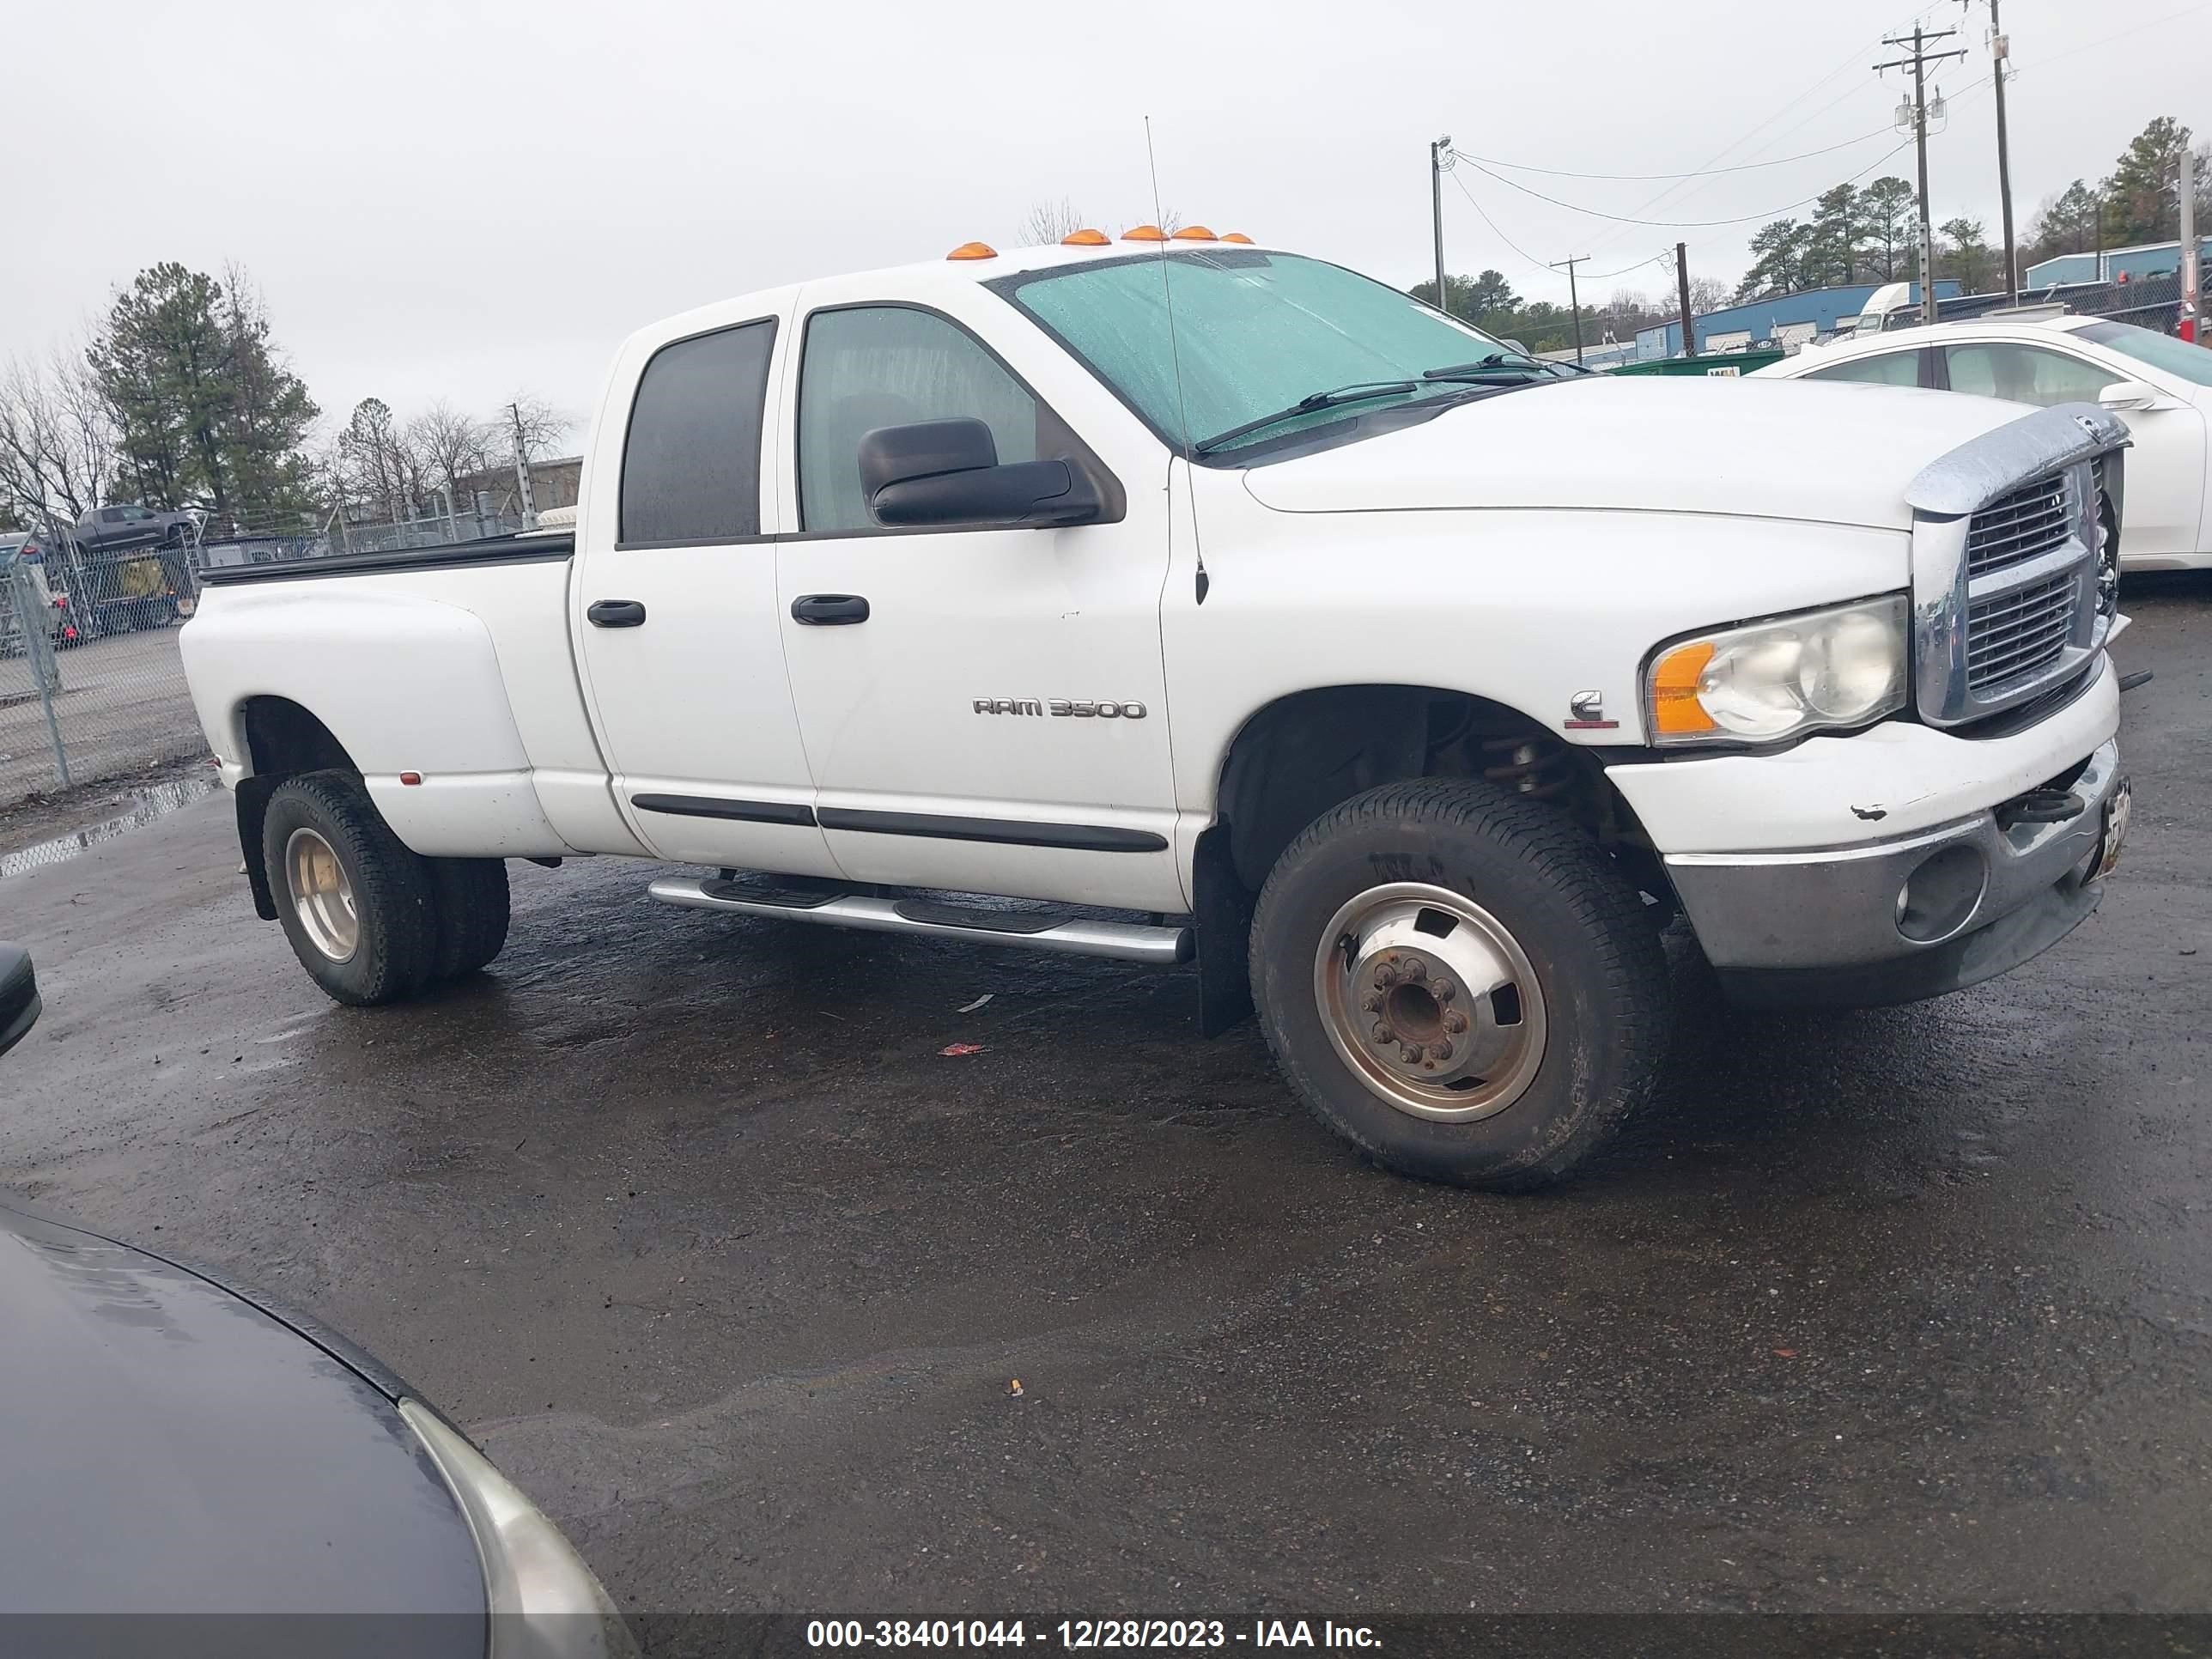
1792	318
2115	265
552	484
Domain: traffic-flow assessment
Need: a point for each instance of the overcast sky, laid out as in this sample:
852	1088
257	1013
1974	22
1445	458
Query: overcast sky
469	199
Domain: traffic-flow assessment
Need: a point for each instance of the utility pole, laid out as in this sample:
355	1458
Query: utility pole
1574	296
1682	291
1439	158
2000	56
523	494
2190	262
1917	63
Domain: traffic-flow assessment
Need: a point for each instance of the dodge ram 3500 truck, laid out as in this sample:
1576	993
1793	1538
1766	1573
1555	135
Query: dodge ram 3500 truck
1236	606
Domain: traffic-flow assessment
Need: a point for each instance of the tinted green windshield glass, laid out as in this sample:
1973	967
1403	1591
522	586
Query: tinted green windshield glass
1255	332
2191	363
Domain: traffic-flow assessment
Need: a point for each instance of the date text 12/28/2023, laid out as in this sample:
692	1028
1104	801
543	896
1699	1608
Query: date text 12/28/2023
1084	1634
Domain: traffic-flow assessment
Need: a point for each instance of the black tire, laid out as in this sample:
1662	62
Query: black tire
472	899
1579	921
393	903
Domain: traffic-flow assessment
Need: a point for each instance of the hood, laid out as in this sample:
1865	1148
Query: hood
171	1448
1840	454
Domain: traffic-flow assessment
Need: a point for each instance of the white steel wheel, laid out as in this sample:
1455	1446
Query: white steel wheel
322	896
1430	1001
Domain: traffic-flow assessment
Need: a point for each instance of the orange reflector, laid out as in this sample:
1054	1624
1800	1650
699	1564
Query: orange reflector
1237	236
974	251
1195	233
411	777
1674	705
1144	233
1086	238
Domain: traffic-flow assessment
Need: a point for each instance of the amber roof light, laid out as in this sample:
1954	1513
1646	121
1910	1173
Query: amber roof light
1236	236
1144	233
974	251
1086	238
1195	233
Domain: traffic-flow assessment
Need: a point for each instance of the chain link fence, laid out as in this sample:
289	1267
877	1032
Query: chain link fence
92	685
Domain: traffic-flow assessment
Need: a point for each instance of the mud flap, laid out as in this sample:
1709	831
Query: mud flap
1223	915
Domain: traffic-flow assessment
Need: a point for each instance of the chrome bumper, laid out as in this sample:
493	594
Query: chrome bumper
1828	925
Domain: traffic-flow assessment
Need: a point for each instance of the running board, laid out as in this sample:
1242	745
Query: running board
1123	941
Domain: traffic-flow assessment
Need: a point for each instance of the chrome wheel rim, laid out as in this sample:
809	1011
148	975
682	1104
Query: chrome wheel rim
1430	1001
322	898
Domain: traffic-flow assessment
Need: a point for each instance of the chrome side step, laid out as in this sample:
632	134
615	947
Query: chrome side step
1124	941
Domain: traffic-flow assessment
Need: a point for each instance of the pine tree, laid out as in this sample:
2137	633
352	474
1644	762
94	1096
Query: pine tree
2140	204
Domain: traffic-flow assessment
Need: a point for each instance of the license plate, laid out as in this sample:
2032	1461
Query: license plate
2116	811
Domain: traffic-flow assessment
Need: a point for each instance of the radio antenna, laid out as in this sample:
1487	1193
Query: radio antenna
1174	352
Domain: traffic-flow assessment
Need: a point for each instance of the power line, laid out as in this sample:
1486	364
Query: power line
1747	166
1671	224
1535	264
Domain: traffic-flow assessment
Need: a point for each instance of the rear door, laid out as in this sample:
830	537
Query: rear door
995	721
675	618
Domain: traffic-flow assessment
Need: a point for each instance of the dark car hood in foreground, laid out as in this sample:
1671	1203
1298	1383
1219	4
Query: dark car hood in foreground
165	1446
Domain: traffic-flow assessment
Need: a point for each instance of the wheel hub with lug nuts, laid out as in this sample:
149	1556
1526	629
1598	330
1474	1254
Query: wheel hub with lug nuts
322	897
1430	1001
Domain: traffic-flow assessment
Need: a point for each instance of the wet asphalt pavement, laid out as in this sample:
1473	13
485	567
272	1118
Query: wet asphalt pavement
688	1220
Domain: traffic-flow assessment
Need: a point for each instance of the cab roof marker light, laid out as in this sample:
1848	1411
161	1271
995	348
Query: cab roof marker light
1195	233
1086	238
1144	233
974	251
1235	236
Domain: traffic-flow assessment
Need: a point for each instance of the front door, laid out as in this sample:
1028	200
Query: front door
677	639
983	709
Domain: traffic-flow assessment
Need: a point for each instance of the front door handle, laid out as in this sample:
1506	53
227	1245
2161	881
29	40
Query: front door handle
829	609
616	613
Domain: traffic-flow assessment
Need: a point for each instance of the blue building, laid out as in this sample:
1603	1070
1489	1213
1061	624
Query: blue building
2143	259
1815	311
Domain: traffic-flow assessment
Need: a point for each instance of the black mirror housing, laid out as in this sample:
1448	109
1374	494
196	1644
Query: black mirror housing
934	473
19	996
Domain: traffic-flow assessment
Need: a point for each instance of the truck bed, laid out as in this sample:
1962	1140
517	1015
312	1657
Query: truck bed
532	549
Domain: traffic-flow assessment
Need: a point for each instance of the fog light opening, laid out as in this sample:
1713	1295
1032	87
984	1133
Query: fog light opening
1941	897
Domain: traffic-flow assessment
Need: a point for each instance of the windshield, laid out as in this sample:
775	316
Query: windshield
1255	334
2191	363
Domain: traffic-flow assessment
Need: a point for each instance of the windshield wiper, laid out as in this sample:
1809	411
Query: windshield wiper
1497	362
1357	392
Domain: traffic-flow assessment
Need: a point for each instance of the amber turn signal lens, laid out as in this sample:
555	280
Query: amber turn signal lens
974	251
1674	705
1144	233
1085	238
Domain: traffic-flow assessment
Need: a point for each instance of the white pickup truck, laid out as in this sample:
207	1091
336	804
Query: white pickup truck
1220	603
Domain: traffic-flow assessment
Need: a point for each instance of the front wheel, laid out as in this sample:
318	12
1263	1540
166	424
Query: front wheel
1460	982
357	906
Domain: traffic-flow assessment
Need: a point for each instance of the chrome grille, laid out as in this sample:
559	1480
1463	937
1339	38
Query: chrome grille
2021	524
2020	631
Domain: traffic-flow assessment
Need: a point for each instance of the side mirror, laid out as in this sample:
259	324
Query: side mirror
948	472
2130	394
19	996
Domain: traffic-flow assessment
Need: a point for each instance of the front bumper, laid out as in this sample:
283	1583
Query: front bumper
1826	927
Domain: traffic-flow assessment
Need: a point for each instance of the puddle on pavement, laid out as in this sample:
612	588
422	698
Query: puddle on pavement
154	802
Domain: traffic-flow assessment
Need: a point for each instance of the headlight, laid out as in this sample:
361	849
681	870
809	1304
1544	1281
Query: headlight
544	1602
1844	665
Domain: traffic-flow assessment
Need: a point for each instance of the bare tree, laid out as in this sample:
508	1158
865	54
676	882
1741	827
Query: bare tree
378	465
1050	222
1709	294
544	428
58	441
452	448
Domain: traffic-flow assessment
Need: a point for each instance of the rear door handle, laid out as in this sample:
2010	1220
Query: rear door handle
829	609
616	613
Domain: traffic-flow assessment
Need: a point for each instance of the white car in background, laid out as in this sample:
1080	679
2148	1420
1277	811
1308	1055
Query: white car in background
2160	386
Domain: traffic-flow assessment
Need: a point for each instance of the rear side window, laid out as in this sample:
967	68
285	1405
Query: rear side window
2025	374
1888	368
691	463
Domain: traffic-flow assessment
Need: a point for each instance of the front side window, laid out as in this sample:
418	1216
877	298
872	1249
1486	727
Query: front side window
2191	363
691	461
2024	375
1254	333
1887	369
877	366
